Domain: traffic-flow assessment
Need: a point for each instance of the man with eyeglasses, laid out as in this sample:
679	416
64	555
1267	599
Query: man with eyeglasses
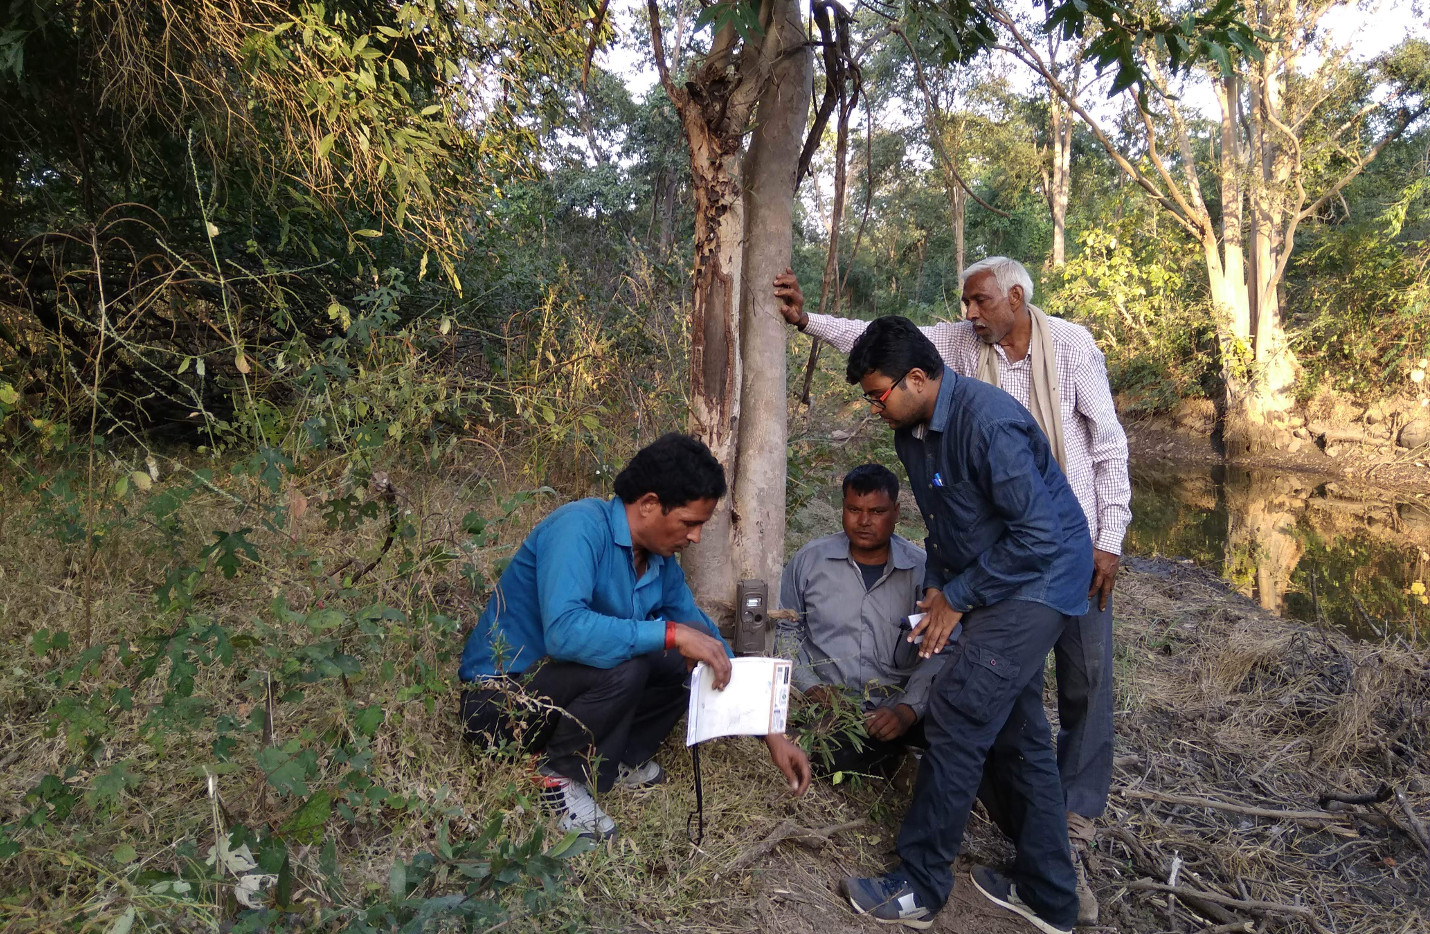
1009	558
848	592
1055	370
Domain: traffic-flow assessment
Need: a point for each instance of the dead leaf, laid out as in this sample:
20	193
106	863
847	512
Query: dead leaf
297	504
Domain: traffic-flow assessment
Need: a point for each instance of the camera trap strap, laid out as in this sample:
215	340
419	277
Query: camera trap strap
696	816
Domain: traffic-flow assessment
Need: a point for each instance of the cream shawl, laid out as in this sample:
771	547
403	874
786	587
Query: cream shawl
1044	400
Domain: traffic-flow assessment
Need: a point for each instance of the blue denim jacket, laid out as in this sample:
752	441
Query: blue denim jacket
1003	523
571	593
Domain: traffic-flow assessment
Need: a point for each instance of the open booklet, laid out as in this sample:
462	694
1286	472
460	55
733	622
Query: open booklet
755	702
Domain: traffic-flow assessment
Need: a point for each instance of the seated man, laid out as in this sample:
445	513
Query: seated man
593	619
850	591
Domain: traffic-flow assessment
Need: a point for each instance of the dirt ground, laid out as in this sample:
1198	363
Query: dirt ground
1232	726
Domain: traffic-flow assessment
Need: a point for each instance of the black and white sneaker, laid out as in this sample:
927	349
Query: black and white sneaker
887	899
575	807
999	890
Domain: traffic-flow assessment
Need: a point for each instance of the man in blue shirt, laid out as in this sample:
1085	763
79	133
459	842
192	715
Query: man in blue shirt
1009	556
594	626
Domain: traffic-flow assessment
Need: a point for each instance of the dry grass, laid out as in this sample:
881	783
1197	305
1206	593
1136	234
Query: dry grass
1228	703
1219	701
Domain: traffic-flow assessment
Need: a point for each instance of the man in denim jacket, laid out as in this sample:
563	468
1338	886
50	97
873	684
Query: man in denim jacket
1009	556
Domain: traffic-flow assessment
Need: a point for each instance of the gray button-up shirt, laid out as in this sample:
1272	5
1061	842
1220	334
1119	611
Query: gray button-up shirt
846	636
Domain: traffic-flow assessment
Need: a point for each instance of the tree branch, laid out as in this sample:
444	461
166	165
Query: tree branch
934	133
1026	54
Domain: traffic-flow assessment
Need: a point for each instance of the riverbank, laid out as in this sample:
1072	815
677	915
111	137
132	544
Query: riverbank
1386	444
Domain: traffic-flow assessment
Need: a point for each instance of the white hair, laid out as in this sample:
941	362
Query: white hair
1006	272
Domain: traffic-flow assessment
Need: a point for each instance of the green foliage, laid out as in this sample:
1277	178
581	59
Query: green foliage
1358	287
1217	33
1141	304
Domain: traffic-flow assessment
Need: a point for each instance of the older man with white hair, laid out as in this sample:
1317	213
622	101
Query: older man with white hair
1054	368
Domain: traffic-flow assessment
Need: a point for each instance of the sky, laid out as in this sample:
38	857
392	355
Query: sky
1368	28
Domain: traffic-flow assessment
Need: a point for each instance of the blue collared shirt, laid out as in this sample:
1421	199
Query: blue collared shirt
1003	523
571	593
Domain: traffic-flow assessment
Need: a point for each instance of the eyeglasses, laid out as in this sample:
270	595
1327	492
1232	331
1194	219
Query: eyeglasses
878	402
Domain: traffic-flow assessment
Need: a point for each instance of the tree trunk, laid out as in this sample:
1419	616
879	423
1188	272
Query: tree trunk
1060	180
743	221
958	202
1269	367
714	347
770	175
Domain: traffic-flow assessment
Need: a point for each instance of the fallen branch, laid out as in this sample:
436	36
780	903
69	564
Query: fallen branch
1245	904
1422	836
1319	817
787	829
1147	865
1383	793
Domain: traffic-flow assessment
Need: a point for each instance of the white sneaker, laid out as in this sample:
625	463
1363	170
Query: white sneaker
576	808
646	775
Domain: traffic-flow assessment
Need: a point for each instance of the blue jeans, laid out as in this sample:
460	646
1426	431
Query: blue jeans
989	693
1083	657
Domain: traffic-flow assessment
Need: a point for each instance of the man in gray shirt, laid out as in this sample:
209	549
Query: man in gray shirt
849	591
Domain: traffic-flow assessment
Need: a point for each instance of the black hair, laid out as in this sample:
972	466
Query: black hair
870	478
893	346
677	468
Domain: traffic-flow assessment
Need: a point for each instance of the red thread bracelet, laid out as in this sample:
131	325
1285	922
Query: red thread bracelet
670	634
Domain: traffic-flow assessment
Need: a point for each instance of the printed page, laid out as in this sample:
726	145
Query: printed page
755	702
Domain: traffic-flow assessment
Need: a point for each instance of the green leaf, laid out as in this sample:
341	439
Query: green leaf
367	232
123	923
366	720
307	823
42	641
397	880
111	783
226	549
286	772
8	394
124	854
325	145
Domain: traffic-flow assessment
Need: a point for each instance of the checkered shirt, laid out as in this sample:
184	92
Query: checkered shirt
1096	446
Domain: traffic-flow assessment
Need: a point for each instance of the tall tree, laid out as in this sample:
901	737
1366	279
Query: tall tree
1279	158
755	81
758	72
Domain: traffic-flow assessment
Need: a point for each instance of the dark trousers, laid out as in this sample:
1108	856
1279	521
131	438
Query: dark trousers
874	757
587	720
990	693
1085	699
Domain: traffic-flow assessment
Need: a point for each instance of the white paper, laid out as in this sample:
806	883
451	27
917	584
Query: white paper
754	703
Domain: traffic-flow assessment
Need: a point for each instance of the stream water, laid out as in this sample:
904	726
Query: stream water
1305	547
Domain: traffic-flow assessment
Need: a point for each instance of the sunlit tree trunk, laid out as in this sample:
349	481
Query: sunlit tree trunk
743	212
958	204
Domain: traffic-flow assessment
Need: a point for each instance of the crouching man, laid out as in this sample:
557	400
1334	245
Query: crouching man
848	592
593	623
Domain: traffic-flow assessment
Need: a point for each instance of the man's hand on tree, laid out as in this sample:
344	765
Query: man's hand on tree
791	299
889	723
699	646
937	624
1104	575
790	760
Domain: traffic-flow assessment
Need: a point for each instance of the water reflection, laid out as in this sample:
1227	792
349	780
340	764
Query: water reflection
1300	546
